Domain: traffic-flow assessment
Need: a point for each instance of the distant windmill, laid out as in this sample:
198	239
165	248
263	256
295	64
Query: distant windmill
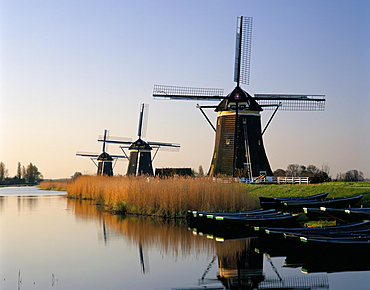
140	160
105	160
239	149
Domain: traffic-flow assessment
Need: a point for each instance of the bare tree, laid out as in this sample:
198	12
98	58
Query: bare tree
293	170
3	172
325	168
19	171
32	174
353	175
200	171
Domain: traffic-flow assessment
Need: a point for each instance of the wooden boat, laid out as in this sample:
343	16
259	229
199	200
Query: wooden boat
271	220
267	202
341	202
346	214
350	227
202	214
316	196
240	220
315	214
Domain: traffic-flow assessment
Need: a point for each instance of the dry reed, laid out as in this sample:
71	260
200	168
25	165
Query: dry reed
171	197
54	185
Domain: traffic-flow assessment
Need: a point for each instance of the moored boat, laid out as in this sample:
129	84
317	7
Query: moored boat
268	202
310	197
340	202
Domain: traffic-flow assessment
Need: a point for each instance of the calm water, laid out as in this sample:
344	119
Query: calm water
50	242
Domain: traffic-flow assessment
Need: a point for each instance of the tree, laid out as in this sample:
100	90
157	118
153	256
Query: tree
19	171
200	171
279	172
75	175
325	168
3	172
353	175
312	169
293	170
32	174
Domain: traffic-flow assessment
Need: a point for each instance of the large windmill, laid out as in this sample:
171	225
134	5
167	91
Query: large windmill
239	149
140	160
104	160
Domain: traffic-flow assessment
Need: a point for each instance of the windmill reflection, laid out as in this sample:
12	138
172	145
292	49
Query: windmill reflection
233	263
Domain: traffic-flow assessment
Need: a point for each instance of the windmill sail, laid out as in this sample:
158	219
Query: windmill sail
140	160
105	160
239	149
243	50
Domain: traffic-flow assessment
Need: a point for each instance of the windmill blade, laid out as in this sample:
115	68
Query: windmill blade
95	155
143	120
187	93
118	156
164	144
243	50
291	102
104	139
87	154
116	140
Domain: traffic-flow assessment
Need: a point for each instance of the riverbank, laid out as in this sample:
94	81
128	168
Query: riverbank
335	189
172	197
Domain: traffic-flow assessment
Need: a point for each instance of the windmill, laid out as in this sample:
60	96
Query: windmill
140	160
105	160
239	149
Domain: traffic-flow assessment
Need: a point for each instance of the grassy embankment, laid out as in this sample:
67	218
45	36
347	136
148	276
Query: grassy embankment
174	196
335	189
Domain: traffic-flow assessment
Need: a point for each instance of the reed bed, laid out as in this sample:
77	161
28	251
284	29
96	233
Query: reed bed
171	197
59	185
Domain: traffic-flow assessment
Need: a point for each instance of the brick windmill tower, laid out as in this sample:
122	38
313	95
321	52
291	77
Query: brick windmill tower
140	152
104	161
239	150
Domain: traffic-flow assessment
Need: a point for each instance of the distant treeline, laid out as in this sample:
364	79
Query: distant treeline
28	175
318	175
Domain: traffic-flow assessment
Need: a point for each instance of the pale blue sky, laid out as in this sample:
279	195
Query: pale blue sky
70	69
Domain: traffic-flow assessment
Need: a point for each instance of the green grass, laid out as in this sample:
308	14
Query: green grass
335	189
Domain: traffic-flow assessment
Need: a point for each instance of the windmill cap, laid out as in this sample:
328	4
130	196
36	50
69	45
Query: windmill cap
238	95
105	157
140	144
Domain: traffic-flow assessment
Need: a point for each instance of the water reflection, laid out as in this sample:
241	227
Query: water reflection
238	263
168	236
68	244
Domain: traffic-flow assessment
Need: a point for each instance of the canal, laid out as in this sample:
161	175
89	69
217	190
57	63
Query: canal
50	242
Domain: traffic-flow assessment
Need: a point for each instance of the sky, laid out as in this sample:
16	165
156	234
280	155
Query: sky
71	69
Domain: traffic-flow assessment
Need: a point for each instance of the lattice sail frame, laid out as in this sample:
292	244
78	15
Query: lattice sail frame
243	49
291	102
175	92
286	102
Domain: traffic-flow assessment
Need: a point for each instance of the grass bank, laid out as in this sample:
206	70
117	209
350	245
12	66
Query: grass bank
335	189
170	197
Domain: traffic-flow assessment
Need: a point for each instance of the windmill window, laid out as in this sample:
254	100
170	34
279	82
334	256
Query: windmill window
227	141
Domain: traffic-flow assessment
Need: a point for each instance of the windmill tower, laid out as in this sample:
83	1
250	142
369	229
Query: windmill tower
104	160
140	160
239	149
